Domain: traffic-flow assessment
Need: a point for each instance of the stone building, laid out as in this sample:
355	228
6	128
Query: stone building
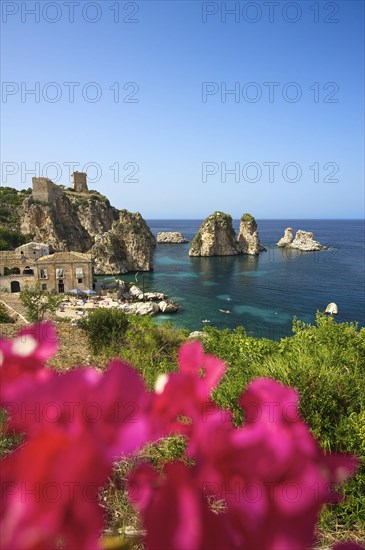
62	271
43	189
79	182
33	250
16	271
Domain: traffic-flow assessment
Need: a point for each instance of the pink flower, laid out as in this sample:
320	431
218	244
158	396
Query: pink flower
22	360
77	423
186	393
110	405
176	513
50	492
271	472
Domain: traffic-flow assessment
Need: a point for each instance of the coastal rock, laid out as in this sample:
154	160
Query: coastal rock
121	286
154	296
287	238
167	307
127	246
118	240
304	240
109	255
94	212
248	237
136	292
55	223
171	237
146	308
216	237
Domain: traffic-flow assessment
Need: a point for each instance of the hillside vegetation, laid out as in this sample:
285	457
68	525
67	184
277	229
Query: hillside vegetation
325	362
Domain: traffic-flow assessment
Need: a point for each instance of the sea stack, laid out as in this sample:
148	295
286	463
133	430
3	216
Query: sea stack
304	241
287	238
171	237
248	237
216	237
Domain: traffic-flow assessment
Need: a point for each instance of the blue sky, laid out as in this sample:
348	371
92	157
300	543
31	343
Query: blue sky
291	159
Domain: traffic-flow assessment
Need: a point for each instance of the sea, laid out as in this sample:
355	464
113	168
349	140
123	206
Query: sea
262	293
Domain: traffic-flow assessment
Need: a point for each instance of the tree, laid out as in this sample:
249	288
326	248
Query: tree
38	302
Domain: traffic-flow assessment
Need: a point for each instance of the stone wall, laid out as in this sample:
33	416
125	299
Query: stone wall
43	189
79	182
68	265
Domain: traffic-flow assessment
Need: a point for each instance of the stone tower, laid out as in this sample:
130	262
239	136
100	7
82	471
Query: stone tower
43	189
79	181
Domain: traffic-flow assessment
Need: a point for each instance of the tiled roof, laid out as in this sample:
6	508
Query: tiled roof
65	257
33	243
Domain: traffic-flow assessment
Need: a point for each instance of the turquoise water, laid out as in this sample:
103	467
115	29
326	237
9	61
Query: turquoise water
263	293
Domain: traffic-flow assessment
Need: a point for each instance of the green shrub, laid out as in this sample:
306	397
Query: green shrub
10	239
326	364
150	348
105	329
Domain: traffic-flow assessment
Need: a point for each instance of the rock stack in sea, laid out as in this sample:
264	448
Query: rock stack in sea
216	237
287	238
171	237
248	237
304	241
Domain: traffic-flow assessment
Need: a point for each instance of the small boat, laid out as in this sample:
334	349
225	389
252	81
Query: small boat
332	309
205	321
225	311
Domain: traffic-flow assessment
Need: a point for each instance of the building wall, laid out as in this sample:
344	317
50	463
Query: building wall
79	181
43	189
12	259
70	280
23	280
69	264
33	250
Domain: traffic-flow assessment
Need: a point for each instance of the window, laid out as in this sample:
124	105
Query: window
59	273
44	286
43	274
79	272
79	280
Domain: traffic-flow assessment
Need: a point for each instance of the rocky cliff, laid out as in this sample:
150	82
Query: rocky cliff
94	212
216	237
127	246
248	237
120	241
55	223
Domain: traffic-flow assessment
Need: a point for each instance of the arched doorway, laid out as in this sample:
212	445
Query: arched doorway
15	286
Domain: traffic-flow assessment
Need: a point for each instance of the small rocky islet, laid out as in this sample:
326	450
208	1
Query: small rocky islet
171	237
217	237
304	241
